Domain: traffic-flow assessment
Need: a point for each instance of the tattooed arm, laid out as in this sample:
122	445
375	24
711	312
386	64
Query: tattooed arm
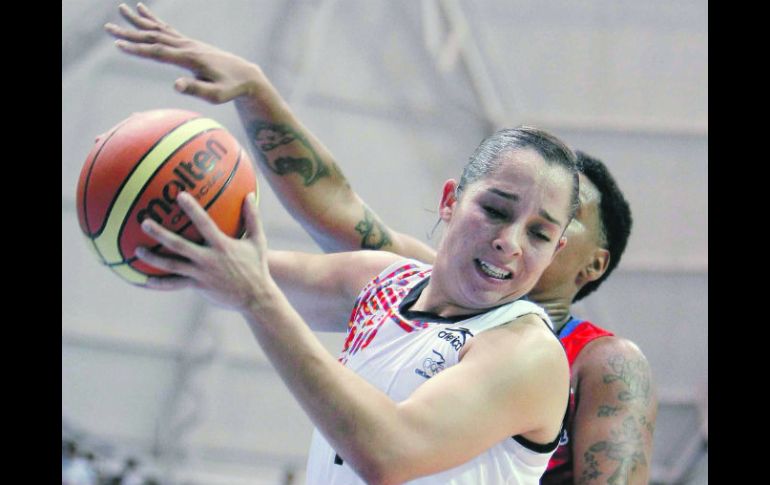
615	417
298	167
302	171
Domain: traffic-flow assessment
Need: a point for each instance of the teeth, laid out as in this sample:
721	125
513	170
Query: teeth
493	271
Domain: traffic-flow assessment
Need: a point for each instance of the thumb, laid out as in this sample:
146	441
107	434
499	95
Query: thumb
252	220
209	91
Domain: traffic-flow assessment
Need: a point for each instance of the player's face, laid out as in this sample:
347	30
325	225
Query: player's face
503	231
583	238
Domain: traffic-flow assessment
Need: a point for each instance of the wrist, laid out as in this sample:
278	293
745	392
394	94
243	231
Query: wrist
267	304
256	81
257	87
259	98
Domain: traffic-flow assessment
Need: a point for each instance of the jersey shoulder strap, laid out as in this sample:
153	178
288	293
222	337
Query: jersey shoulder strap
576	334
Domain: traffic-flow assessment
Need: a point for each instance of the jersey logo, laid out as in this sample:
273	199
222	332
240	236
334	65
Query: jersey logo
456	340
564	438
431	367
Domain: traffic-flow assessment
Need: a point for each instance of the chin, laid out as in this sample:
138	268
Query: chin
492	301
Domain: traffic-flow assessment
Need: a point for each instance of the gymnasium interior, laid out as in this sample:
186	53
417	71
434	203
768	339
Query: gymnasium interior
168	389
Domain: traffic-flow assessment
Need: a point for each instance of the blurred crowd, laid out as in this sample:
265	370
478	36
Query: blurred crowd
83	466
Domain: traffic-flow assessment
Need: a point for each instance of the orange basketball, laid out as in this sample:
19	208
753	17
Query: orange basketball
137	169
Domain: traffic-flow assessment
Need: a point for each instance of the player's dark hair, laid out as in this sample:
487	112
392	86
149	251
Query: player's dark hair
615	219
486	158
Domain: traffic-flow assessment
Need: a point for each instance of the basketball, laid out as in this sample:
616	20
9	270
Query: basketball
136	170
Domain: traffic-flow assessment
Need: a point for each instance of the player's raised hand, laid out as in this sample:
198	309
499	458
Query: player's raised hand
218	76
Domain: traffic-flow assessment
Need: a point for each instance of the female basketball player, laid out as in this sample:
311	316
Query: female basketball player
446	373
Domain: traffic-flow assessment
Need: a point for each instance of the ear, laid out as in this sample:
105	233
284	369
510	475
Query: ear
595	267
448	200
560	245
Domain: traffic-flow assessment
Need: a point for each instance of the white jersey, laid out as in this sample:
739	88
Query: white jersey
397	353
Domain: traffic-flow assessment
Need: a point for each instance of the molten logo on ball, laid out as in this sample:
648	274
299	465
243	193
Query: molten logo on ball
186	178
136	171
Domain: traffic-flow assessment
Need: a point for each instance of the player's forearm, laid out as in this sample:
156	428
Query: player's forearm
301	170
358	420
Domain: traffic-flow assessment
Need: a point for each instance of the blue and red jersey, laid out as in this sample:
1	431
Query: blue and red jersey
574	336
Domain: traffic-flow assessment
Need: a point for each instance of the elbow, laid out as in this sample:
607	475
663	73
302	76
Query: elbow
381	470
375	477
394	456
377	472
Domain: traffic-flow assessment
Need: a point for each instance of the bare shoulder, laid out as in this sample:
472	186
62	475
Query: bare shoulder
374	259
614	379
523	361
528	332
528	351
363	266
610	353
614	344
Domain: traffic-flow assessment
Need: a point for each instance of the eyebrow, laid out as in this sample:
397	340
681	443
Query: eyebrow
549	218
514	197
504	194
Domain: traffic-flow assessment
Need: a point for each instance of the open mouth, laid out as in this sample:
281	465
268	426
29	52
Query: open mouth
493	271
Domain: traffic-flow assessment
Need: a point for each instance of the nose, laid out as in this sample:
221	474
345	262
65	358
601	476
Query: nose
508	241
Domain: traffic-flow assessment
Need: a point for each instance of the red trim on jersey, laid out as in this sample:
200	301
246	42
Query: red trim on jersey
584	333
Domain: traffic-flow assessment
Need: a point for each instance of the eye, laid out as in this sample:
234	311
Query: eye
494	213
540	235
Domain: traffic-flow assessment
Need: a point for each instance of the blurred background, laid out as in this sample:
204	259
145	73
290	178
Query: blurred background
162	388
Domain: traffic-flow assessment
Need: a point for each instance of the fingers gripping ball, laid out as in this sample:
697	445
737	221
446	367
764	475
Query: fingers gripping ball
137	169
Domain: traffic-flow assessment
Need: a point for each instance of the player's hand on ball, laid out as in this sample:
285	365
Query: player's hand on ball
219	75
230	272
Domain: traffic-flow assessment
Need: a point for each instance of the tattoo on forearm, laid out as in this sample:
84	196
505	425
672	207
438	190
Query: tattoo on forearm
648	425
375	234
634	374
605	411
625	447
285	151
340	175
591	471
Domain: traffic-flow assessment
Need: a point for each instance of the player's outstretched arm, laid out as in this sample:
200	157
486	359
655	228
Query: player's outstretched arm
299	168
615	417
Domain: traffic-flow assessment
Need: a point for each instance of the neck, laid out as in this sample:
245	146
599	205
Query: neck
556	306
429	301
558	309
